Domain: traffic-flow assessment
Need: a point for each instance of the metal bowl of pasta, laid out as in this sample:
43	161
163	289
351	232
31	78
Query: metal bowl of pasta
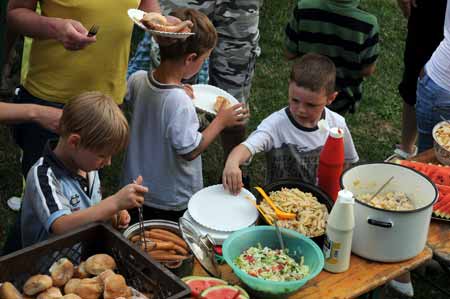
308	202
441	136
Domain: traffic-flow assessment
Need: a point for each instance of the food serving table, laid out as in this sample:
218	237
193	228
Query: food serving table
364	275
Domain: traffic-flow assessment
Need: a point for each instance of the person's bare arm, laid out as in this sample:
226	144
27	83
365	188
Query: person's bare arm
47	117
23	19
368	70
229	117
128	197
232	174
405	6
150	6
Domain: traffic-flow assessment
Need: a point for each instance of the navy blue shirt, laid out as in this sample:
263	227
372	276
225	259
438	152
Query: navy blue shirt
53	191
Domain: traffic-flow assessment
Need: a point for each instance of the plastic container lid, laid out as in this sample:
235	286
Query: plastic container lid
346	196
336	132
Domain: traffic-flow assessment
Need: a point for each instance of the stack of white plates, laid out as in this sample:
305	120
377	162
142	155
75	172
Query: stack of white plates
214	211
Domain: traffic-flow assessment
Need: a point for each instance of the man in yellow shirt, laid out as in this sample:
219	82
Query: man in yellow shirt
65	61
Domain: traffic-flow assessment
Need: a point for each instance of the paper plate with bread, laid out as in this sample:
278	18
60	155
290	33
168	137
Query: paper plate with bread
158	24
210	99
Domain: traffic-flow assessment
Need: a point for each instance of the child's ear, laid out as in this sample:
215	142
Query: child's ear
331	97
74	140
191	58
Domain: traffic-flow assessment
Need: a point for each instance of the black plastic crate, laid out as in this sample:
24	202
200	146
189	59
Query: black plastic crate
139	270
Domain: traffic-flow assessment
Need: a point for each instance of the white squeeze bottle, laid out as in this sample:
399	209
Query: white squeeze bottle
339	232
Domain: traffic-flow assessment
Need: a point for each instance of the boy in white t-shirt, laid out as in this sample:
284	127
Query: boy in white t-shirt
165	144
290	137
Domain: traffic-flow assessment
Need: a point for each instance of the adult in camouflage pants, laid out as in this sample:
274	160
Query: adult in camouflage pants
231	64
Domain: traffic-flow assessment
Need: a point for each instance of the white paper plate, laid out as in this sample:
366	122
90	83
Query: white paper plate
205	97
215	208
136	16
217	236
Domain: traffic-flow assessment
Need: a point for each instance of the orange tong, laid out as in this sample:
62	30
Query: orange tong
280	214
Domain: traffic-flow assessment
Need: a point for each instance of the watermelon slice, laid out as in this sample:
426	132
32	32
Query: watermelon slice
437	173
198	284
243	292
222	292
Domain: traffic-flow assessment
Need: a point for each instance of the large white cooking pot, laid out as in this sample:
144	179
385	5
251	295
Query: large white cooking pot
390	236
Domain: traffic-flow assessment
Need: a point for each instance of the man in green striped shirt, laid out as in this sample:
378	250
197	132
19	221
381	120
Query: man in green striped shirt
343	32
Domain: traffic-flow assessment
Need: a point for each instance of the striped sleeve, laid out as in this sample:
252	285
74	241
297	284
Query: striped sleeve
49	203
371	50
291	33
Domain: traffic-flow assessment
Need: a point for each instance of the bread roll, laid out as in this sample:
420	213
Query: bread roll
61	272
71	286
98	263
51	293
36	284
221	101
80	271
116	286
89	288
71	296
9	291
105	274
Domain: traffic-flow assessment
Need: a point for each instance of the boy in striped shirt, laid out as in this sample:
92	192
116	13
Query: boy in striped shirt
341	31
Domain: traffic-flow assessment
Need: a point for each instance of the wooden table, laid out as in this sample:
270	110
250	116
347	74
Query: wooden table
364	275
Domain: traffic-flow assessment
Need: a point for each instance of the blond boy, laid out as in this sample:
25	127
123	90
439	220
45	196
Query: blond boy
290	137
63	188
165	144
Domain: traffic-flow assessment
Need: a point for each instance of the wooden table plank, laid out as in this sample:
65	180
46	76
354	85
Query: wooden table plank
362	277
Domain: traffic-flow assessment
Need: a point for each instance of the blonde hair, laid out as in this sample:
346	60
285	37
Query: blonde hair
98	120
204	39
314	72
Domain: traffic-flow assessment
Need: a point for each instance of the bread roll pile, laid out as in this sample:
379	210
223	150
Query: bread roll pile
93	279
164	246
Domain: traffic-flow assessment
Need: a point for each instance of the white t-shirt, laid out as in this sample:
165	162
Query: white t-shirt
438	67
293	151
164	126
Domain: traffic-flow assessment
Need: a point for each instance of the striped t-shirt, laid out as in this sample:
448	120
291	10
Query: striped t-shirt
340	31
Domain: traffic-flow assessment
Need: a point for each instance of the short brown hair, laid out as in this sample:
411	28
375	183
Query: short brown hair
98	120
314	72
204	39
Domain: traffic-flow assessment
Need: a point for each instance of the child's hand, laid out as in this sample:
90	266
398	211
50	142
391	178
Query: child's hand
189	90
123	219
131	196
232	178
233	116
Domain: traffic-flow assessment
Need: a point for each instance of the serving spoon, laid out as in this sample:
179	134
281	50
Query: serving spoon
280	214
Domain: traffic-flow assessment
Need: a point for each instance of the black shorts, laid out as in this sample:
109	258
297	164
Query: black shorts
425	32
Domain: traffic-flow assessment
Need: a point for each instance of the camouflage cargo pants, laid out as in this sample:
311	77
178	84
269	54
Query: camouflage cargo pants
232	63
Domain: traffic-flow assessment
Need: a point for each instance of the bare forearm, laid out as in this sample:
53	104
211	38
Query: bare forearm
17	113
27	22
150	6
103	211
239	155
208	136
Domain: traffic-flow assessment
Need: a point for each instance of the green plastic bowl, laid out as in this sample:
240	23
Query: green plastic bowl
298	246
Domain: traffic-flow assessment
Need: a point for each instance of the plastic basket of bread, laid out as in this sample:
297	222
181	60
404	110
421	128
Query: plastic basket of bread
91	263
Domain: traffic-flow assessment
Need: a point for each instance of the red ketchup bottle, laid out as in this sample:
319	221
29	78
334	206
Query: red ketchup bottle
331	163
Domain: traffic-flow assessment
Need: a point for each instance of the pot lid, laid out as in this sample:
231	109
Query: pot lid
201	245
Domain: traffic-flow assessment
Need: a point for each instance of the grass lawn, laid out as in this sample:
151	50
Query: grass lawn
375	127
